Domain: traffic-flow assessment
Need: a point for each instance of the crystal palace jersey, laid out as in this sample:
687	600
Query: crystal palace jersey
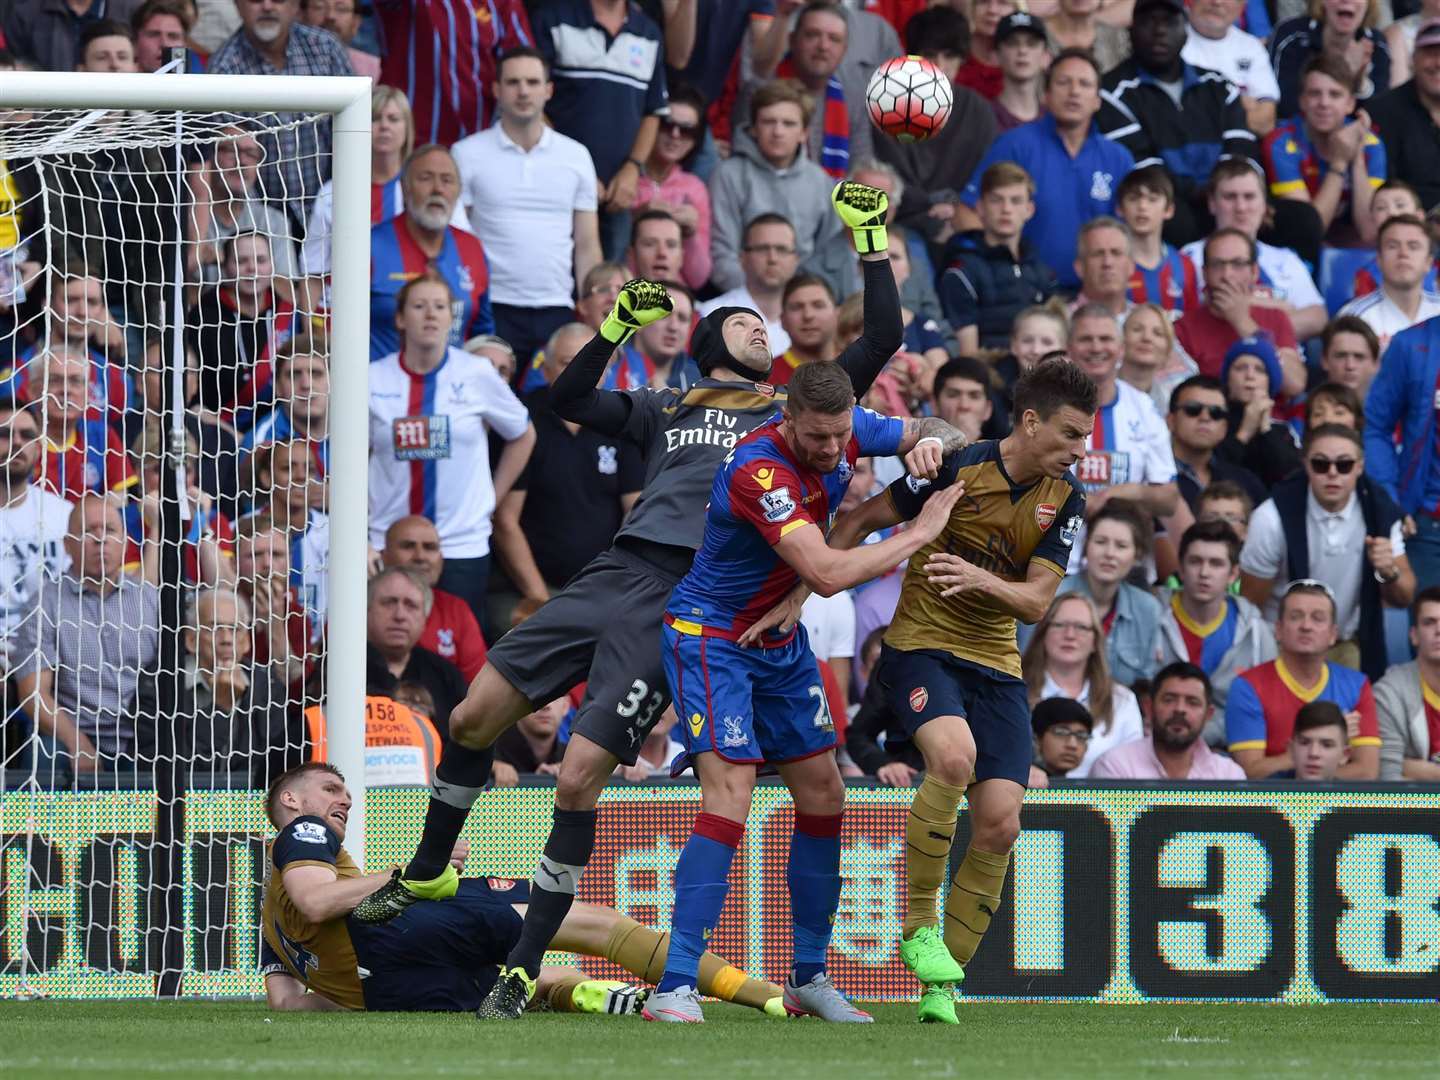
396	259
1260	710
761	494
1173	283
429	447
999	526
321	955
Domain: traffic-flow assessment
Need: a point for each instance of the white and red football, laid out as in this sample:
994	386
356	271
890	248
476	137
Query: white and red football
909	98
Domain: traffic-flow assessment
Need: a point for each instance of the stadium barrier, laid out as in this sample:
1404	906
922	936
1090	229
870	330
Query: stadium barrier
1124	894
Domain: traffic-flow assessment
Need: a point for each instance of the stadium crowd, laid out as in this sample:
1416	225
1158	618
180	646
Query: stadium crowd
1224	212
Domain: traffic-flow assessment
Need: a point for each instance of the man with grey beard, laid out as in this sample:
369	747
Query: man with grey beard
272	41
422	240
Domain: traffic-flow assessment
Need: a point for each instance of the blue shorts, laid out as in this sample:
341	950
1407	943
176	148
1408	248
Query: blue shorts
748	705
927	683
440	955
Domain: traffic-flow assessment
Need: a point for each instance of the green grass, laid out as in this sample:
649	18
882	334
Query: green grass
994	1042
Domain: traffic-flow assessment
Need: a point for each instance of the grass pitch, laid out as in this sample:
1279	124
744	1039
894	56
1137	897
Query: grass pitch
994	1042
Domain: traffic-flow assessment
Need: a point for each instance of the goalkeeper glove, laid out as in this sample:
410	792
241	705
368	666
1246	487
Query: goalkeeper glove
862	208
640	303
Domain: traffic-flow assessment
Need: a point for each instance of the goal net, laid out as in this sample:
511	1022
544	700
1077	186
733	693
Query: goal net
170	432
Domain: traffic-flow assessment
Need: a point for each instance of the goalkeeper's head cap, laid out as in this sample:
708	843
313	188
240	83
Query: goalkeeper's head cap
707	345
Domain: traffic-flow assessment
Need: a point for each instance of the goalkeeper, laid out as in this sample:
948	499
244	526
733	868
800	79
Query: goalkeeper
436	957
604	626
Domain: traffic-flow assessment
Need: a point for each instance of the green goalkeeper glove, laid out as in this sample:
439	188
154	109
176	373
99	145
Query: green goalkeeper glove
640	303
863	208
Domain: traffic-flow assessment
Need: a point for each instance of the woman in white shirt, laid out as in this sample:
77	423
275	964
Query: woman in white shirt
1066	658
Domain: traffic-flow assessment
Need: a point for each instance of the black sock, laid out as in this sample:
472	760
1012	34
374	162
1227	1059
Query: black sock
552	889
459	778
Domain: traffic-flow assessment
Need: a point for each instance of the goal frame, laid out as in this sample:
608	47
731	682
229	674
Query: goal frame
347	100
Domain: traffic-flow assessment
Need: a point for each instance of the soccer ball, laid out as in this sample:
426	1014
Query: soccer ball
909	98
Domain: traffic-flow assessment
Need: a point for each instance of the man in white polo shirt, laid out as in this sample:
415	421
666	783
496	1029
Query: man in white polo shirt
530	192
1237	201
1403	249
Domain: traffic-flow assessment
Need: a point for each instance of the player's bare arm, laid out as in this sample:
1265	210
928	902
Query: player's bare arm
876	512
827	570
1026	600
320	894
285	993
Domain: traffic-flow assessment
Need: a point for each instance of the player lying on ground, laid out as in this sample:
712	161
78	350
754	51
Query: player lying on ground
439	957
744	706
949	665
603	626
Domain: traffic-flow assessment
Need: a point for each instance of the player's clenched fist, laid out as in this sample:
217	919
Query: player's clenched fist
640	303
862	208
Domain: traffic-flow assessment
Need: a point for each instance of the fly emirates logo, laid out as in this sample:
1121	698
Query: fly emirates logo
719	430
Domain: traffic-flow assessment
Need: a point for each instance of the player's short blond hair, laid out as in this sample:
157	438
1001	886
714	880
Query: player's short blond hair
289	779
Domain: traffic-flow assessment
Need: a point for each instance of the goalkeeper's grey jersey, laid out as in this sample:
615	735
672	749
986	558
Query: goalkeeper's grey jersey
684	436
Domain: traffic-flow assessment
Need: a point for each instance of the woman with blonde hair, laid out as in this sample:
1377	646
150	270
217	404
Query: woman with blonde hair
392	139
1066	658
1154	363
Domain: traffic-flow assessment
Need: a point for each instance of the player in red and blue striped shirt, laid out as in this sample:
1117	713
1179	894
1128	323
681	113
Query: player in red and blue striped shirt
749	698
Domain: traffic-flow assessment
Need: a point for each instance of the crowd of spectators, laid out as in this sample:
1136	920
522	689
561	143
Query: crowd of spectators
1226	212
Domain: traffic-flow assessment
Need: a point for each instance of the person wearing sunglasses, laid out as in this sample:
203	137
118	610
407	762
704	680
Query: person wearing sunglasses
1333	524
1198	424
667	184
1261	710
1255	437
1181	702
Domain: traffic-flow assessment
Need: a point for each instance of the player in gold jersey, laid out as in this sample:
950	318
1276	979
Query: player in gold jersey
949	665
435	956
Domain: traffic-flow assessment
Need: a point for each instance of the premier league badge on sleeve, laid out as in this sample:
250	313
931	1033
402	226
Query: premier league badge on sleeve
777	505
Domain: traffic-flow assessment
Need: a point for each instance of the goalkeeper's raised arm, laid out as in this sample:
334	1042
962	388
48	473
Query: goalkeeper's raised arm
574	395
864	210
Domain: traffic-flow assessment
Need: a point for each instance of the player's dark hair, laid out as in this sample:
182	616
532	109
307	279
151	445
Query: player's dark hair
289	778
1350	324
651	215
1127	513
822	386
1219	234
102	28
967	368
1336	394
1194	382
765	219
937	30
1181	669
800	281
1211	532
227	246
1331	431
1051	385
1075	52
520	52
1428	595
1152	178
1319	714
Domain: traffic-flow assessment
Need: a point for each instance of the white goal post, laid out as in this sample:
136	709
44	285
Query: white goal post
348	102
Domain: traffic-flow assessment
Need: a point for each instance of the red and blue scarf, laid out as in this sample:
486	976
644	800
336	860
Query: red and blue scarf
835	142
